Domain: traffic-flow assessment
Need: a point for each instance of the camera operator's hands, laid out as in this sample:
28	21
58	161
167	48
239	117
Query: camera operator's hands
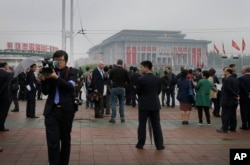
53	75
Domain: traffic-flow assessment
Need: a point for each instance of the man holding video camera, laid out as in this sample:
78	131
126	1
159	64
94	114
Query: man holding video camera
59	108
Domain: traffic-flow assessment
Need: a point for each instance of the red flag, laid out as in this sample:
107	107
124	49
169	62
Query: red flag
234	44
243	45
216	49
224	52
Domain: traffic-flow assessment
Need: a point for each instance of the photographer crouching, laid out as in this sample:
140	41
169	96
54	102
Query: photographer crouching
58	82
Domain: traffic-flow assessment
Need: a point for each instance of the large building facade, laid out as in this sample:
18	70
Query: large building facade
163	48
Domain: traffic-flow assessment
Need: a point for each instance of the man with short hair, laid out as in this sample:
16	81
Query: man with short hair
148	90
229	102
171	87
119	80
59	109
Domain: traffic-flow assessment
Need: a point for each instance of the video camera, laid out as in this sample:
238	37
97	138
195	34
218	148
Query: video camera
48	66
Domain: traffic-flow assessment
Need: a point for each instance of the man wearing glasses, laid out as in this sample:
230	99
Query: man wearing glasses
59	108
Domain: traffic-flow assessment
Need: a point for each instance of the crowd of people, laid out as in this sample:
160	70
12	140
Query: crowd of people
107	87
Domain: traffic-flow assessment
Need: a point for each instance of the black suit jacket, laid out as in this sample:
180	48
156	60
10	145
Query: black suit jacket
229	91
244	84
66	91
148	90
5	78
97	81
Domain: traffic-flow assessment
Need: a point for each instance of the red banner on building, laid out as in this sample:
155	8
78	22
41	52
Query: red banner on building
130	55
37	47
31	47
133	55
18	46
199	56
25	46
194	56
9	45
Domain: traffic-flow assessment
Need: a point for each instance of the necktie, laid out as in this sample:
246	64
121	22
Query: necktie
56	99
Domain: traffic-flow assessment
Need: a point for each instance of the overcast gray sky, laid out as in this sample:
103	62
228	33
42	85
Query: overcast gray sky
40	21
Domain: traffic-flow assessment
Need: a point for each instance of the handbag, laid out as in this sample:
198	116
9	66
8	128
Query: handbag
93	96
191	94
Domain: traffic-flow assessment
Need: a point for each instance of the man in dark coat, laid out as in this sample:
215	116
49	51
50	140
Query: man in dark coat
5	97
244	82
14	90
229	102
31	92
22	82
98	87
59	109
134	82
148	90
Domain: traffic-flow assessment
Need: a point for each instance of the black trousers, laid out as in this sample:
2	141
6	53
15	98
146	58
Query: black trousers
200	113
39	91
171	93
31	103
4	109
156	126
163	95
99	107
228	117
58	125
15	100
245	112
22	93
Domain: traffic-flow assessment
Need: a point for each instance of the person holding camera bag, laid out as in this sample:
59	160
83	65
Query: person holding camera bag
59	108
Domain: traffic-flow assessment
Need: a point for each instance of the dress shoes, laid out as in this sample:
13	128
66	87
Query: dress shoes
161	148
1	149
221	131
15	110
4	130
98	116
34	117
139	147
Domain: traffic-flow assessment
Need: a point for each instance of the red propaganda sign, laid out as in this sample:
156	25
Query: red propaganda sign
25	46
43	48
131	55
9	45
37	47
198	56
194	56
18	46
31	47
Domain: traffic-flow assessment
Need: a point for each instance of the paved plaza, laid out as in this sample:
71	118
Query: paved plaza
98	142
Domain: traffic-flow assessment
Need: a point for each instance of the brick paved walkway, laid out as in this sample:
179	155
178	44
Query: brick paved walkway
100	142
